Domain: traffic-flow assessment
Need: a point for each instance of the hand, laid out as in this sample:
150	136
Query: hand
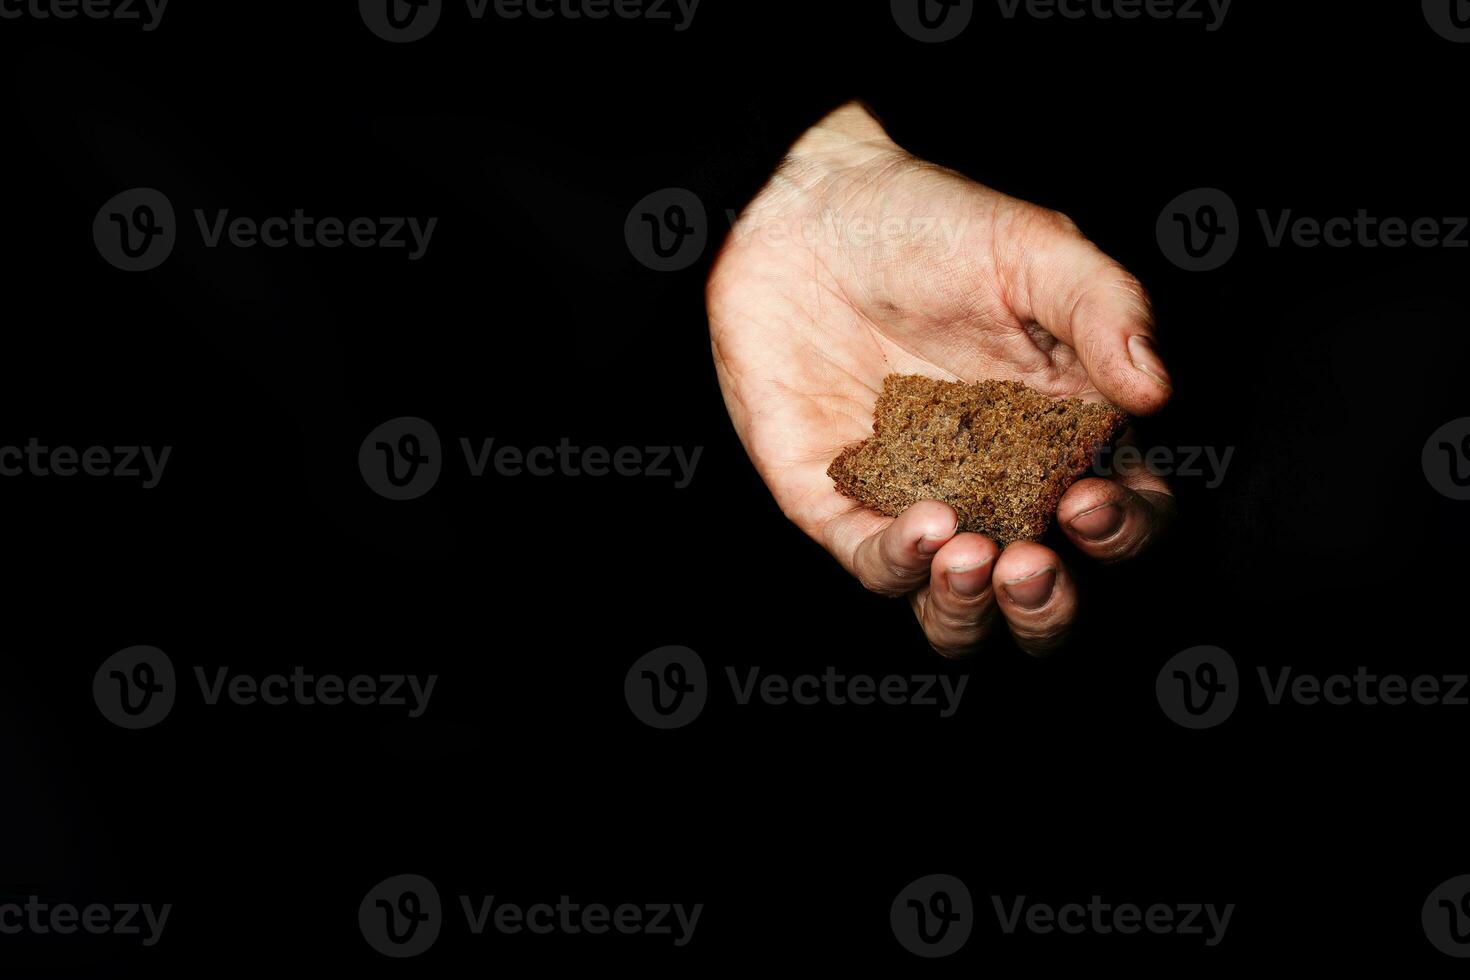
858	260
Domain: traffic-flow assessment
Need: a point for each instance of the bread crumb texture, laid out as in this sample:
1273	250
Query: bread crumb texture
1000	453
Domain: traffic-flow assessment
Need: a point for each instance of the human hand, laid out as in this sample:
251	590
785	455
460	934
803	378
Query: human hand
858	260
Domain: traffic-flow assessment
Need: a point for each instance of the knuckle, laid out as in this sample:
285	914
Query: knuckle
1129	284
1141	531
902	579
886	579
1135	294
1041	640
1135	538
1060	223
954	636
950	643
880	586
1043	230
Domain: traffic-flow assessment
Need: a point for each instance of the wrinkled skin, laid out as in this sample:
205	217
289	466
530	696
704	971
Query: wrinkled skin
858	260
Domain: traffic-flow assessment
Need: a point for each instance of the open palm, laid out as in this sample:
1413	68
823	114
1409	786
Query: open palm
859	260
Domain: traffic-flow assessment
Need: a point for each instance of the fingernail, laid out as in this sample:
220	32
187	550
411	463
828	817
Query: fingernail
1098	524
931	543
968	581
1032	591
1146	359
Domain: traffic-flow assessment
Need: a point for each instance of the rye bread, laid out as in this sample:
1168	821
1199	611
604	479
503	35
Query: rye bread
1000	453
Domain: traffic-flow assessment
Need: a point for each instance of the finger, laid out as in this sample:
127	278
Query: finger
1036	595
957	609
1110	521
894	560
1091	303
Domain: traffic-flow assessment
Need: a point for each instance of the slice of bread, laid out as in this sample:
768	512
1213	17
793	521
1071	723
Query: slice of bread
1000	453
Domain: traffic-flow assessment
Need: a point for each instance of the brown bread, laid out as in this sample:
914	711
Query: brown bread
1000	453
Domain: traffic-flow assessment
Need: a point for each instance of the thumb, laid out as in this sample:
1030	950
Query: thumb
1061	280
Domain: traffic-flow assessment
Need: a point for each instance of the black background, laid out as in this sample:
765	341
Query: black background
529	320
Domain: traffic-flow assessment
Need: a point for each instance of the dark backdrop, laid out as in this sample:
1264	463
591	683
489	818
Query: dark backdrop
1325	548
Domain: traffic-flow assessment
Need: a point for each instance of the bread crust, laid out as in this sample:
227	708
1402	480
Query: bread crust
1000	453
